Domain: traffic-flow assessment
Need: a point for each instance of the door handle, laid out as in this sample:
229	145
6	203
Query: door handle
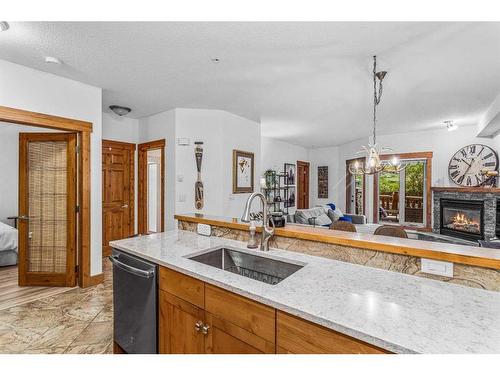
125	206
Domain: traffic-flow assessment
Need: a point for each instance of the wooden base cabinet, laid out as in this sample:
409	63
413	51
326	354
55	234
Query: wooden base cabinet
197	318
228	323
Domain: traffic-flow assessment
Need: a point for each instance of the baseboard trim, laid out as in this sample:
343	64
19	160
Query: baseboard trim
96	279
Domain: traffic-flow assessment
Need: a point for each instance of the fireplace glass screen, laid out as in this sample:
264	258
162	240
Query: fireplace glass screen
463	220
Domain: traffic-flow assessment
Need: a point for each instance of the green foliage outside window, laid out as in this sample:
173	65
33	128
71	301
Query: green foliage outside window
389	182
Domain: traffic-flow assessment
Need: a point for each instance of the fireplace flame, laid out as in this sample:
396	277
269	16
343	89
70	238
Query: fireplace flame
462	219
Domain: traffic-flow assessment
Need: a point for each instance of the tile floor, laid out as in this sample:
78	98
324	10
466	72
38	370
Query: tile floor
79	321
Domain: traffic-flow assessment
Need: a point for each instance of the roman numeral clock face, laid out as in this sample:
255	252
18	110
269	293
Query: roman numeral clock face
466	165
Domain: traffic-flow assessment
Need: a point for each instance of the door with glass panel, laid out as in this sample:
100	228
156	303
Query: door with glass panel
402	196
47	209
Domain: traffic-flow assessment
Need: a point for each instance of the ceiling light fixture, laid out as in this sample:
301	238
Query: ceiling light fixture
450	125
215	60
4	25
374	163
52	60
119	110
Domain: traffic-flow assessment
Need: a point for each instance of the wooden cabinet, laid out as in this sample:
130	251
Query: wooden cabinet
179	326
298	336
196	318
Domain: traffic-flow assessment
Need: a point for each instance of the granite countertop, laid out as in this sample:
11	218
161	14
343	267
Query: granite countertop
400	313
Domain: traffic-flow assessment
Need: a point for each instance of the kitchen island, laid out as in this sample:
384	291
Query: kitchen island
377	310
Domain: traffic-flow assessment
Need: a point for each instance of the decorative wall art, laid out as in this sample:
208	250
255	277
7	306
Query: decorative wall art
243	171
289	174
323	182
198	186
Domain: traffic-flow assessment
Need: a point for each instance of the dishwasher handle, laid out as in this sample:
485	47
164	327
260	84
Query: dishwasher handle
132	270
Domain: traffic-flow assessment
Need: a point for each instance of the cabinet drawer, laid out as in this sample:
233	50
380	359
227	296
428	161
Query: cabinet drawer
242	312
182	286
295	335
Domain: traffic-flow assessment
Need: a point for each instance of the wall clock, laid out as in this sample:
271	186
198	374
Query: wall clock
466	165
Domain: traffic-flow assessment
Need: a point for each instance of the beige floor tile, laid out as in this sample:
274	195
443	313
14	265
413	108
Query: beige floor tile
101	348
95	333
58	336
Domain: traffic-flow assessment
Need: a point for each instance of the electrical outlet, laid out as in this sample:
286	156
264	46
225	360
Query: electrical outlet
436	267
204	229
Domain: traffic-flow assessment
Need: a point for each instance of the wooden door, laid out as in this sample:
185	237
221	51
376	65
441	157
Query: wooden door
224	337
302	184
117	192
180	326
47	209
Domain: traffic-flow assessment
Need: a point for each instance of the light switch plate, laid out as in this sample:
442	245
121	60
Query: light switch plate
204	229
437	267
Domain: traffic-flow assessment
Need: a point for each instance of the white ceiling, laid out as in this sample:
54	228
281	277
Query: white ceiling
308	83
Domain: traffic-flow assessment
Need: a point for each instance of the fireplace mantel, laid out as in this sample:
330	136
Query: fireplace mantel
457	189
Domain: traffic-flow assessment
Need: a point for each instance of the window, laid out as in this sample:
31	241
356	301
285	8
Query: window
404	198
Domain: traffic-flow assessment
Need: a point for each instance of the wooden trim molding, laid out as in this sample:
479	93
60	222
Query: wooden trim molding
474	256
427	155
478	190
22	117
96	279
83	128
142	197
348	185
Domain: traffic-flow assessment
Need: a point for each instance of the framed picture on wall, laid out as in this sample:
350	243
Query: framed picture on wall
290	174
243	171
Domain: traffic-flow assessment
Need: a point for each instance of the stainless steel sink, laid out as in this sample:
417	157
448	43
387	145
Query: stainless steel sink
267	270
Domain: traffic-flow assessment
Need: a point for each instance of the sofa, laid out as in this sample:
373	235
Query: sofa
323	216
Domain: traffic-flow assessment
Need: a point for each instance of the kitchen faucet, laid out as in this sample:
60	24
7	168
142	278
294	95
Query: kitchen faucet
267	232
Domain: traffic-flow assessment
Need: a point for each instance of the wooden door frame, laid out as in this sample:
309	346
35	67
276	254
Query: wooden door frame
83	129
131	147
427	155
308	165
48	278
142	198
348	186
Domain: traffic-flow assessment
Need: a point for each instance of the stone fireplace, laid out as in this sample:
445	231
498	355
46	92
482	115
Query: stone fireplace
467	213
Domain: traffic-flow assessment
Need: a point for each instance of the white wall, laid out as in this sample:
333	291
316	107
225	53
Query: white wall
326	156
33	90
162	126
220	132
274	155
9	167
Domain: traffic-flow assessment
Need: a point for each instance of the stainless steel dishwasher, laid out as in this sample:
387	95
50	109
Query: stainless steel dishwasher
135	302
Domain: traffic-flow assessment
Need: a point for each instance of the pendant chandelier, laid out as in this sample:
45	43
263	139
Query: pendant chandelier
374	163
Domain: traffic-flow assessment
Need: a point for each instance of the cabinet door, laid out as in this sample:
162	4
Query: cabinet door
223	337
180	326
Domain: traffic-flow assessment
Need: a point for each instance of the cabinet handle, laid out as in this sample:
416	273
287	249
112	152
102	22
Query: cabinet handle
205	329
198	326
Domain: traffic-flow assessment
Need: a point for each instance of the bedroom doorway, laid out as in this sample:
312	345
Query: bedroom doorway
151	181
76	266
